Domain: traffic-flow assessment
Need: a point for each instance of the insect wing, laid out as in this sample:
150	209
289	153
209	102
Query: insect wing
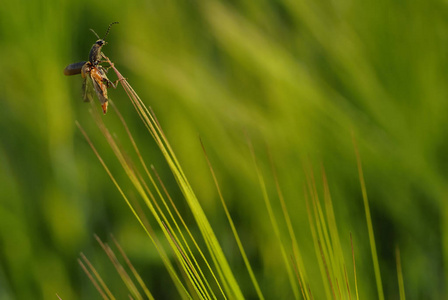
74	69
100	84
87	89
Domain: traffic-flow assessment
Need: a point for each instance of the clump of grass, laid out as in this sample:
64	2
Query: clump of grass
204	272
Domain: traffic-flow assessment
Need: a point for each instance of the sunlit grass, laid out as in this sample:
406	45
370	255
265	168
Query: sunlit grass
216	279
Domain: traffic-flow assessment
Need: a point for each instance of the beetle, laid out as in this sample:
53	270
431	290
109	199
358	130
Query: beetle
95	77
93	73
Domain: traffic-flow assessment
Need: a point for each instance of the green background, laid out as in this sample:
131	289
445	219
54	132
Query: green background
298	76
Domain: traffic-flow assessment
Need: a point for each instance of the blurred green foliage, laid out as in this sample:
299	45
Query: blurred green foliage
299	76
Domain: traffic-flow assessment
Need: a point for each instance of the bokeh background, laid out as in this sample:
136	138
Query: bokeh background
298	76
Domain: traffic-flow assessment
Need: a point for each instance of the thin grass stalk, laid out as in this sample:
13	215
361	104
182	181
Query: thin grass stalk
317	229
189	233
274	223
326	270
232	226
201	281
316	246
334	234
133	270
376	265
98	277
347	284
311	294
322	228
296	250
221	272
327	248
305	296
400	274
339	288
93	280
354	267
120	270
191	260
187	262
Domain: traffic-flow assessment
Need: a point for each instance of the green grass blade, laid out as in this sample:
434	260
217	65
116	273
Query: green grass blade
133	270
120	269
316	246
106	294
234	231
299	267
376	265
400	274
354	267
274	223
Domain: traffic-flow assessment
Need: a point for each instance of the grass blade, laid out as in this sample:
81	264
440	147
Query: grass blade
376	265
400	274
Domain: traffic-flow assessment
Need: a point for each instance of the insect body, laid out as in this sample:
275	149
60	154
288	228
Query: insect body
95	54
94	75
95	78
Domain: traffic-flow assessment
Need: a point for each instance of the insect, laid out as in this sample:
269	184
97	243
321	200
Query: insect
95	77
93	73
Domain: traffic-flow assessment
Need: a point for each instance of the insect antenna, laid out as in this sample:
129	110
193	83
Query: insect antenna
108	29
94	33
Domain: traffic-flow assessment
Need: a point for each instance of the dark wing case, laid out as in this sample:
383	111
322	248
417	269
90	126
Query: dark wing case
74	69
